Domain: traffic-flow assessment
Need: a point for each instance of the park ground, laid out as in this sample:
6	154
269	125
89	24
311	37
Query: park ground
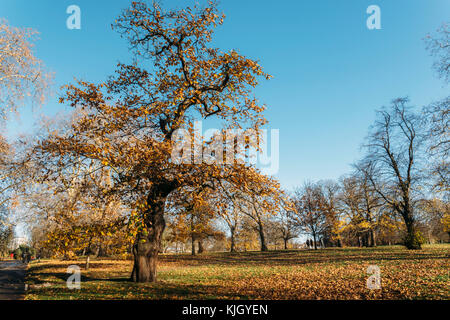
333	273
12	274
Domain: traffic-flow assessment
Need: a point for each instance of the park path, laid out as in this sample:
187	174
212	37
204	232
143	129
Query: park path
12	275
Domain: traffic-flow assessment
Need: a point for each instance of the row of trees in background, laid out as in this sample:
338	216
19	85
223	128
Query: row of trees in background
103	182
400	189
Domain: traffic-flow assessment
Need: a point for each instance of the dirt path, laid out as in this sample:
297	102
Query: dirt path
12	274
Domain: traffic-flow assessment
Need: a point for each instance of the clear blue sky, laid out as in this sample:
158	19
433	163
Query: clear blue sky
330	72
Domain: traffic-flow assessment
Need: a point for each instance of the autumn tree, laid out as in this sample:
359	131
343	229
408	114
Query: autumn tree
362	206
192	219
230	211
134	120
253	209
74	213
81	217
392	164
232	217
247	237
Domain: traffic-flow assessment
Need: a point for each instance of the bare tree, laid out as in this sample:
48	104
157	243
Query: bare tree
392	162
311	212
288	225
22	76
330	191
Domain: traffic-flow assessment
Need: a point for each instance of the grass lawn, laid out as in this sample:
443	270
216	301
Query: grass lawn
322	274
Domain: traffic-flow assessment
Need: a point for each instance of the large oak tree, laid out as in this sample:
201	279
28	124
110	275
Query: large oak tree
131	122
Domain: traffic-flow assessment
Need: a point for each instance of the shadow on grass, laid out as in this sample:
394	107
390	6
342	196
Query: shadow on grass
120	288
301	257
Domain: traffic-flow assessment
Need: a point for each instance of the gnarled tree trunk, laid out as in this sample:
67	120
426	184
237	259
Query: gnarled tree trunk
148	242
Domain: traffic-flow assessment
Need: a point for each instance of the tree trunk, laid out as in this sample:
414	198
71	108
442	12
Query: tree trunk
193	245
285	244
373	241
232	244
101	251
148	242
411	242
200	247
366	239
315	241
262	238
